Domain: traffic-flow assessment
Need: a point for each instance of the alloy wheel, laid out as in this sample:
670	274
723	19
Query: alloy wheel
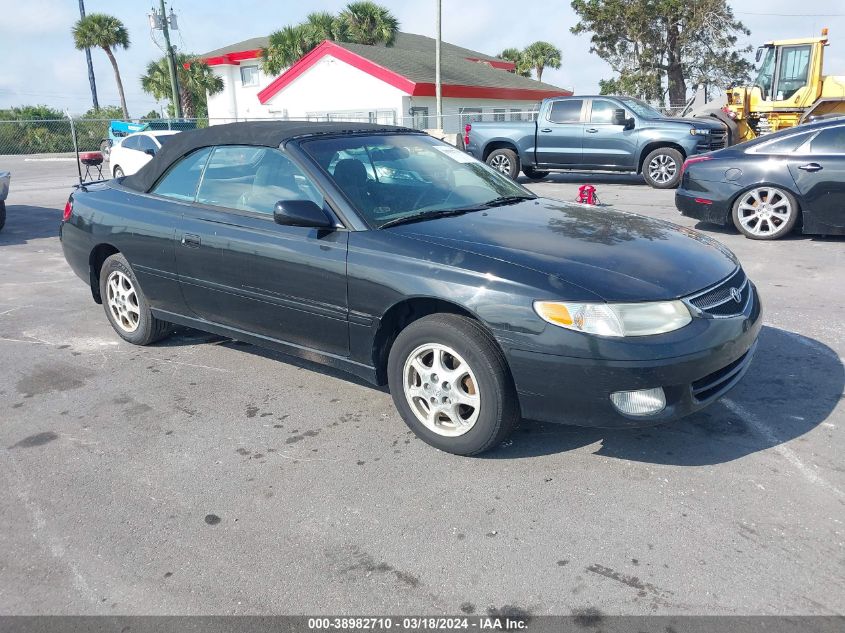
441	389
764	211
662	168
501	163
123	301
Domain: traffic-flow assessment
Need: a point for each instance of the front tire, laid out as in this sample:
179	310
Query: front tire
662	168
765	213
451	384
534	174
504	161
126	306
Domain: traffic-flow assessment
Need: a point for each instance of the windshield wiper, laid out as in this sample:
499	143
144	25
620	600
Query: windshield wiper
504	200
433	213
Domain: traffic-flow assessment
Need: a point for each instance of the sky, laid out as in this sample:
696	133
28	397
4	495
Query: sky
43	67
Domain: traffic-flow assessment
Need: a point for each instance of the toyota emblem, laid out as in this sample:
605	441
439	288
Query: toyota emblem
736	295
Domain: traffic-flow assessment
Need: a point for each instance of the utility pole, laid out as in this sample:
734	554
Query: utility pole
90	65
438	89
160	20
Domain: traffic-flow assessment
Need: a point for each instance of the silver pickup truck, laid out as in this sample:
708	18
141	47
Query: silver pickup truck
595	133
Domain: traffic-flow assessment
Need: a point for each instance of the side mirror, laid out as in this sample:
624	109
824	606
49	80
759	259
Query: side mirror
301	213
630	124
758	55
150	152
618	117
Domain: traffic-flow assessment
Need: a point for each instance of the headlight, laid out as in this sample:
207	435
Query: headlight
615	319
698	132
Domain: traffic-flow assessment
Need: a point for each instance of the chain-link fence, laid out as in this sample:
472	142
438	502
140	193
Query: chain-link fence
56	136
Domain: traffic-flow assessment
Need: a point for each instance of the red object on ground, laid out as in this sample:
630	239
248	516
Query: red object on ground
587	194
91	158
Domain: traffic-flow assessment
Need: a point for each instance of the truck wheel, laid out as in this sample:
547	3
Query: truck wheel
126	306
451	384
505	161
2	214
662	168
534	174
765	213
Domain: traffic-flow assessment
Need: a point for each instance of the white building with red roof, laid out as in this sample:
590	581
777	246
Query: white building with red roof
395	85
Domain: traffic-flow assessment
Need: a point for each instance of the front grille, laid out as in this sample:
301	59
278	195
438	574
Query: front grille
716	140
726	299
715	384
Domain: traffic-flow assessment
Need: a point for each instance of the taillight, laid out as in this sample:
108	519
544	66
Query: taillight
467	128
694	159
68	210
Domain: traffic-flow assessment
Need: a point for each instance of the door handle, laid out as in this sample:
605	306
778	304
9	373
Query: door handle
546	129
592	130
190	240
810	167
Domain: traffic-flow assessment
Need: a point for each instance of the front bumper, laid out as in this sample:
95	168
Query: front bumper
576	391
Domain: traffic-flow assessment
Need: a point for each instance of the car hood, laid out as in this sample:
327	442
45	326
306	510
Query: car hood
702	123
616	255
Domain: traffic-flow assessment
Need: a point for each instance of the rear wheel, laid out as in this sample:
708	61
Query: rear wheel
534	174
125	304
118	172
451	384
504	161
765	213
662	168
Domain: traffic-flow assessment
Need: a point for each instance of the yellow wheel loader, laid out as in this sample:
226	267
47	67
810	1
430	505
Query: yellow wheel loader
790	89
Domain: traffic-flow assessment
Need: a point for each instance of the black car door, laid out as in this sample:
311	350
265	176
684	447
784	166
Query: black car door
818	168
238	268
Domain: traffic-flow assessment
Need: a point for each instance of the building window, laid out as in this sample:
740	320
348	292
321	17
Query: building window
516	115
249	75
499	114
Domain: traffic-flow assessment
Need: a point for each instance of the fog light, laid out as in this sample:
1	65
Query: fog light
640	402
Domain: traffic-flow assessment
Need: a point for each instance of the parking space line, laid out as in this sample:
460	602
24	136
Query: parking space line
778	445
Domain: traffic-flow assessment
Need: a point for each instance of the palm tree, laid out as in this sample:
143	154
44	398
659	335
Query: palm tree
518	58
285	48
541	54
195	82
369	23
322	25
359	22
99	30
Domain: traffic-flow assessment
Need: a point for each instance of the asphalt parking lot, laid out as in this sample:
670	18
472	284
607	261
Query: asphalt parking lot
204	476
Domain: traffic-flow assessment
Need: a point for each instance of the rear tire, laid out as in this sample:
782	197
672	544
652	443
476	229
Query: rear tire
505	161
475	403
765	213
118	172
662	168
534	174
2	214
126	305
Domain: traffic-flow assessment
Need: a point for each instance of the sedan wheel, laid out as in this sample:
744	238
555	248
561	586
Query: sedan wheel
441	389
451	384
123	301
118	172
125	304
765	213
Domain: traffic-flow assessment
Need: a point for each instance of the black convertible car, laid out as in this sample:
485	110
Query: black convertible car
766	187
398	258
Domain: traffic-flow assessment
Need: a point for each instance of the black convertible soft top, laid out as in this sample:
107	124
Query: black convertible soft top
259	133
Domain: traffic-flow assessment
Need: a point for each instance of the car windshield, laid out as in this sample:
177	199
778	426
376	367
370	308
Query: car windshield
641	108
395	178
